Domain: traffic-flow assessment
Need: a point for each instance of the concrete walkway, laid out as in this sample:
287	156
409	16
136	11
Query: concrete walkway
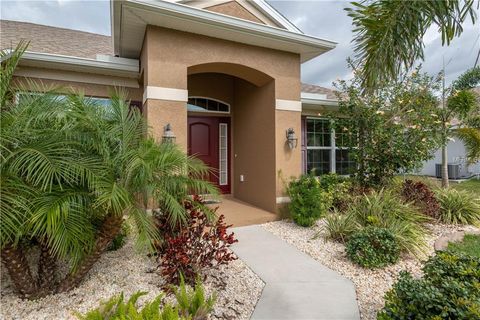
296	285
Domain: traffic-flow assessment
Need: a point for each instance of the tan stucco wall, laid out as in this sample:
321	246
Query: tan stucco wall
180	60
158	113
289	161
233	9
212	85
171	52
254	152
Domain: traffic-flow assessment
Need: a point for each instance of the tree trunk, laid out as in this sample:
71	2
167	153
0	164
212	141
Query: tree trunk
444	166
18	269
361	143
110	228
47	269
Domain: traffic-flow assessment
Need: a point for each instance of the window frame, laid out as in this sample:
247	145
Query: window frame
210	111
332	148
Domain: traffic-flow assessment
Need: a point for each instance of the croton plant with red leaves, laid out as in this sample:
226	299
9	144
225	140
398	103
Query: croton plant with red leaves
421	196
194	246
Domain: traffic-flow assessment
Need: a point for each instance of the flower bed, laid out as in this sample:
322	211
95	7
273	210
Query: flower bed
237	288
371	285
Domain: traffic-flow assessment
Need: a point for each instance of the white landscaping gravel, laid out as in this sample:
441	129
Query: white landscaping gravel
371	285
238	288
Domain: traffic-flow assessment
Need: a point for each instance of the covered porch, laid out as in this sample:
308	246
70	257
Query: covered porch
239	213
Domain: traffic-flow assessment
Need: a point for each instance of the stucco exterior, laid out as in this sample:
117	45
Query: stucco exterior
250	79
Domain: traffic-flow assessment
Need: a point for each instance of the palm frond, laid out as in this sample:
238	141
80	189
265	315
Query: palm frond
15	207
471	139
388	36
9	61
63	219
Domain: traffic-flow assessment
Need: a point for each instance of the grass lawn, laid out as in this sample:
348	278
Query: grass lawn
472	185
470	245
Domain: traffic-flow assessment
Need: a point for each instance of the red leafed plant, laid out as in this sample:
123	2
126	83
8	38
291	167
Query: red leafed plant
193	247
421	196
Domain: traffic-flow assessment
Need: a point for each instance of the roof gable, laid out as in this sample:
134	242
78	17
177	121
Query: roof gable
234	9
259	11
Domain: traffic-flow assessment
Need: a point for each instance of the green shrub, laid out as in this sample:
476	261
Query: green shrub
121	238
308	202
191	305
458	207
373	248
339	227
384	210
339	188
449	289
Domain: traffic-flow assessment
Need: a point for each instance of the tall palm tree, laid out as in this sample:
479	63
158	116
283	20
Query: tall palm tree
388	35
68	164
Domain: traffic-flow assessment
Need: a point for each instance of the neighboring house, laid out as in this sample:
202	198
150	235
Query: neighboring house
458	165
224	74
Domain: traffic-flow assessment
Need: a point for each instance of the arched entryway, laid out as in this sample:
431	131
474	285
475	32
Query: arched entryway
231	127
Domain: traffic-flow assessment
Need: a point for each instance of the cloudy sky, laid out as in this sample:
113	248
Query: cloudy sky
324	19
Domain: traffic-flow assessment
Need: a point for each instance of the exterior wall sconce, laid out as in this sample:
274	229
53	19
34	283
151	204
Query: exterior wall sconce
292	140
168	135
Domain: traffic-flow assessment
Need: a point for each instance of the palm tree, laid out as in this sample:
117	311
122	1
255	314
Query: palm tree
470	133
389	34
68	164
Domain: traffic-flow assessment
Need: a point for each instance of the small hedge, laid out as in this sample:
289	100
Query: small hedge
373	248
449	289
308	202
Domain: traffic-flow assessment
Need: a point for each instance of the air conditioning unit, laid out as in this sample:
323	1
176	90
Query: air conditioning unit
453	170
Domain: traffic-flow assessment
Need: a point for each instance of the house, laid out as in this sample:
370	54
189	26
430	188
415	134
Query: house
223	77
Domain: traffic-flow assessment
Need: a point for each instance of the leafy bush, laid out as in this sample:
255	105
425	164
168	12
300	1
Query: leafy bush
191	305
373	248
339	188
382	138
449	289
308	202
121	238
382	209
195	246
339	227
458	207
422	197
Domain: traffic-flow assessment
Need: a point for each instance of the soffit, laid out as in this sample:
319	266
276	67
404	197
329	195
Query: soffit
131	17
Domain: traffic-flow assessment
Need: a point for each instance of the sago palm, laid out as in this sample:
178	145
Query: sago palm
68	165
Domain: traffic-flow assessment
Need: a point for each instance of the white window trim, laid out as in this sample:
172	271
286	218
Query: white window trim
211	111
333	146
220	154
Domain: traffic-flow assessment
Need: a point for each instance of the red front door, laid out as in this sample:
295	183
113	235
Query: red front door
208	140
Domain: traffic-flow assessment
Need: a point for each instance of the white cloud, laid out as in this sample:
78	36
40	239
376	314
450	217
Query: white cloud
324	19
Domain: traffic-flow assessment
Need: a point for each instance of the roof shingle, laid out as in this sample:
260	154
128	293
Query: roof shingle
311	88
46	39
